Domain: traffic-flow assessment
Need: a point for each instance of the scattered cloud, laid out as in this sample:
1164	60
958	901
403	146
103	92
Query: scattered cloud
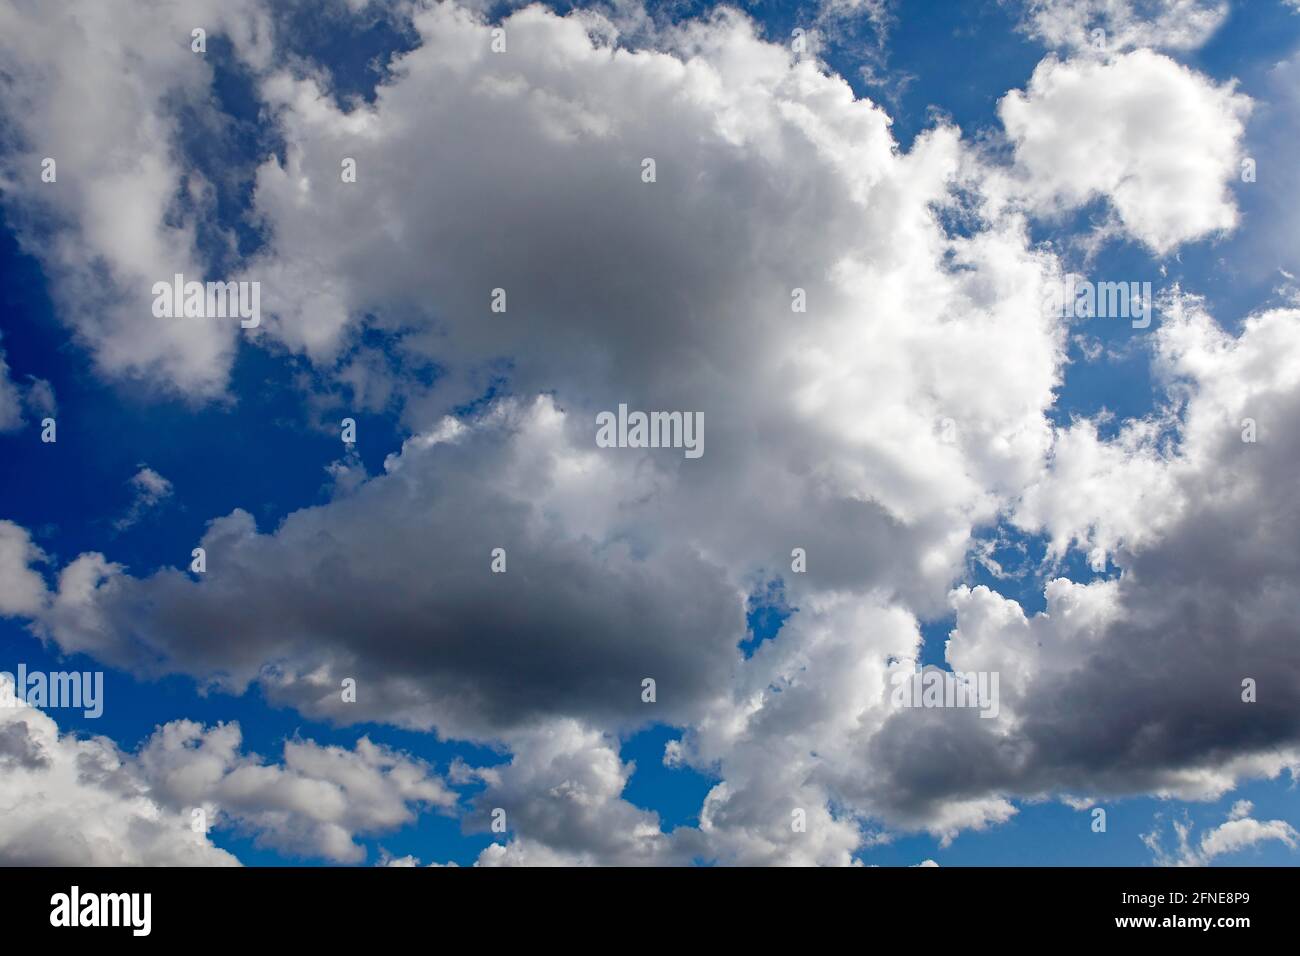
1239	832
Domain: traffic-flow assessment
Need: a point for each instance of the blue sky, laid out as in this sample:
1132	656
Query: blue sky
266	444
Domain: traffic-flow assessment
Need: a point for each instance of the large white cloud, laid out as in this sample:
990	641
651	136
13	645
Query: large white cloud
1159	141
867	417
1123	685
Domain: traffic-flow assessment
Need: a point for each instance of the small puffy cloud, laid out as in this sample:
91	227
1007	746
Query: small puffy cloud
149	489
11	403
314	803
22	589
36	398
1124	24
1239	832
386	859
83	801
561	793
1101	493
39	398
1243	832
1158	141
